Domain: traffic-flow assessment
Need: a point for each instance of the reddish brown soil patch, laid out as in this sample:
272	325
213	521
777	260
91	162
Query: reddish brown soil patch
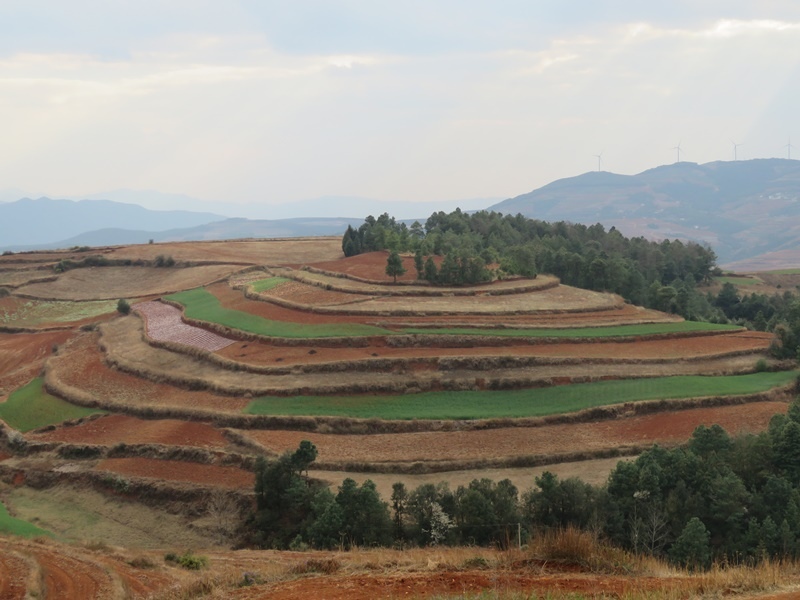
22	356
114	429
552	440
4	456
425	585
256	353
311	295
68	578
84	369
371	265
171	470
13	575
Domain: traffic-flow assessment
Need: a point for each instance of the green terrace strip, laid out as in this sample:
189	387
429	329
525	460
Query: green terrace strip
519	403
738	280
30	407
584	332
10	525
202	305
262	285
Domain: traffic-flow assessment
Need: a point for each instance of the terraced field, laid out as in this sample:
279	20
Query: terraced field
396	380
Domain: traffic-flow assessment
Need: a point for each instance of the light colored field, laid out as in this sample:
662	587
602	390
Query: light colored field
591	471
255	252
22	312
83	515
109	283
21	277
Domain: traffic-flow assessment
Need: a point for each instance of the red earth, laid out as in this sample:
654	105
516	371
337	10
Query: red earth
22	356
667	428
115	429
371	265
172	470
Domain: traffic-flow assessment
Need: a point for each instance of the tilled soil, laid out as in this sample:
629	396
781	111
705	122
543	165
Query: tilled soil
549	440
22	356
171	470
115	429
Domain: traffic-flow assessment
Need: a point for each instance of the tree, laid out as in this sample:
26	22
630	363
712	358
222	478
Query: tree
691	549
419	264
394	265
123	306
431	272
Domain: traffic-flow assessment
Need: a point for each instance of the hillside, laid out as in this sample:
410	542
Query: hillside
741	209
130	437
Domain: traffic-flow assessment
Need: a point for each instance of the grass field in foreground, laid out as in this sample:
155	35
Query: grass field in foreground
201	304
12	526
582	332
30	407
519	403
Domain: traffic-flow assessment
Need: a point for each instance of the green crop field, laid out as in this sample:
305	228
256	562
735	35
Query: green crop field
738	280
201	304
262	285
585	332
30	407
519	403
11	526
35	312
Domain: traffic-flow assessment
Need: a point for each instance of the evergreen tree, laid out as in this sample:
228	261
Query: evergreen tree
691	549
394	265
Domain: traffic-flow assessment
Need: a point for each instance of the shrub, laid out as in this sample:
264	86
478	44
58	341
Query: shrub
4	292
123	306
187	560
761	365
7	253
164	260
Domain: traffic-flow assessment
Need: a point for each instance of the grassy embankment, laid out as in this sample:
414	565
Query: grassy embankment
30	407
10	525
202	305
520	403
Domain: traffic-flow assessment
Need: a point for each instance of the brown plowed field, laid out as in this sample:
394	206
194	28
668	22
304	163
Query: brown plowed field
115	429
171	470
104	283
311	295
256	252
371	265
22	356
257	353
551	440
81	365
68	578
13	574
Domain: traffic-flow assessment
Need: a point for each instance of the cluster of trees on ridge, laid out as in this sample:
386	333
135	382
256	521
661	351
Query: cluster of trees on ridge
662	275
717	498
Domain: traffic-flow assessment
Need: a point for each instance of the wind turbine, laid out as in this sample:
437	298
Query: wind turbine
678	149
789	147
735	146
599	158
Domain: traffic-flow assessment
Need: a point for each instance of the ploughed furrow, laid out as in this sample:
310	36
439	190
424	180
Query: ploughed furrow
14	571
68	578
163	323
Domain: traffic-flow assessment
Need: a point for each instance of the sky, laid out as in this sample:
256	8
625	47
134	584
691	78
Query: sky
268	102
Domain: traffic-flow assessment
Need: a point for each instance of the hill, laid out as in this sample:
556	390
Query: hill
742	209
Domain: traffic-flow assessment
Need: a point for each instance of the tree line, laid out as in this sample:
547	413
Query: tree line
716	498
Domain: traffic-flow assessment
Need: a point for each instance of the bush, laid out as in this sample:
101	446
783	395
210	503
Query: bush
187	560
761	365
123	306
164	260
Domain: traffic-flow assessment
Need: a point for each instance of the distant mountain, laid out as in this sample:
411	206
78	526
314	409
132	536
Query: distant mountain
741	209
29	222
219	230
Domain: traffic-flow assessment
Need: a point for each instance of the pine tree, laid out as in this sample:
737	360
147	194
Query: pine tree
394	265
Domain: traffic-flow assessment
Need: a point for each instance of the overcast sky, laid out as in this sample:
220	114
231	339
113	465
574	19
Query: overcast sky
268	102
